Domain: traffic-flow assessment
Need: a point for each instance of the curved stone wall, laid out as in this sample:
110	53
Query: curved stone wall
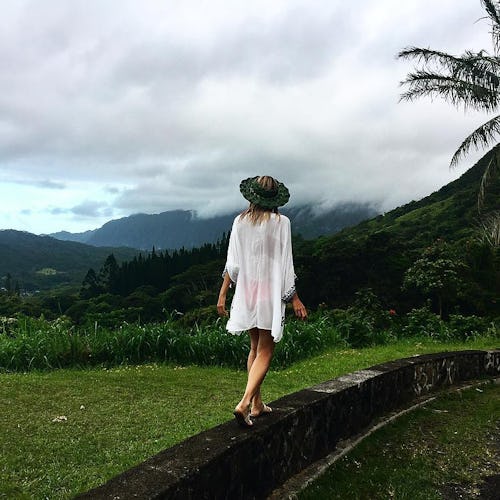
228	462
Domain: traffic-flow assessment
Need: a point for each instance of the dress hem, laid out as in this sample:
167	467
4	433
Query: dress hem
239	332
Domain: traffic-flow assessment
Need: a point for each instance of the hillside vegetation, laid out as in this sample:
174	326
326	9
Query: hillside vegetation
41	262
426	252
377	253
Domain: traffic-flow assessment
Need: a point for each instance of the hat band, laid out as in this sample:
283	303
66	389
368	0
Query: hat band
265	193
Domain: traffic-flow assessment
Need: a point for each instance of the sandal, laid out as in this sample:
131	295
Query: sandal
243	418
265	409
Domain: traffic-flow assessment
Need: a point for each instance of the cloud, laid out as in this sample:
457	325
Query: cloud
112	189
163	105
86	209
57	211
91	209
43	184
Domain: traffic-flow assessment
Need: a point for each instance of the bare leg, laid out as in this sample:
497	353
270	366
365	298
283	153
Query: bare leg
254	342
258	369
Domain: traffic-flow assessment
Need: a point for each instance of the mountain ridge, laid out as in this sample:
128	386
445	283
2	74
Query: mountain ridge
175	229
39	262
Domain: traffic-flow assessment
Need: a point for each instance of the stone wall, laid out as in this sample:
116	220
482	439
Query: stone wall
228	462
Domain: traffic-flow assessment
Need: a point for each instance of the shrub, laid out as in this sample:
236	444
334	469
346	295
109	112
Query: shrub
423	322
465	327
365	323
354	327
202	316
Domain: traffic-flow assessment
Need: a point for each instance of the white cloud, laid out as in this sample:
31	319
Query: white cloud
110	108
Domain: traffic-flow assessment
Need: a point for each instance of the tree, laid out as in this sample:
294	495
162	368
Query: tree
108	274
471	80
437	274
90	286
8	283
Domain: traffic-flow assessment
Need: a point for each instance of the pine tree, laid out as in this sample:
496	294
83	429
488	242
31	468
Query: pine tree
90	285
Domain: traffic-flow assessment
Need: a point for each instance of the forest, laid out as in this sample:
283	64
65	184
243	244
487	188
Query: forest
429	269
431	252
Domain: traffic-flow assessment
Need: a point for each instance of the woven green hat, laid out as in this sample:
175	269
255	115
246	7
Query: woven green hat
265	198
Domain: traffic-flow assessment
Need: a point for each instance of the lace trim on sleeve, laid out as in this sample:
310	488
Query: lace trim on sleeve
287	296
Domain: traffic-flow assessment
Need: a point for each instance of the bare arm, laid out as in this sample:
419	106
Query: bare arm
221	303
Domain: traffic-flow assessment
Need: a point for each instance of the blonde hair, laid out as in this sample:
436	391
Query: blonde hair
256	213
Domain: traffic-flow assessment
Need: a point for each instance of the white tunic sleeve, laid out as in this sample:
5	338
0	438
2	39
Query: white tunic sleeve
288	271
232	266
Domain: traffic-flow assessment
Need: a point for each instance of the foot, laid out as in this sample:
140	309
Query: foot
261	411
243	416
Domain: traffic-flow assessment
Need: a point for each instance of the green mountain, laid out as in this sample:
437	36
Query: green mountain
333	270
373	255
376	253
41	262
449	213
184	229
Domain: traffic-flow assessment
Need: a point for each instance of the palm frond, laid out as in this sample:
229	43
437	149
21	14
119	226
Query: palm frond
491	170
470	94
489	229
493	11
477	67
471	79
482	137
428	56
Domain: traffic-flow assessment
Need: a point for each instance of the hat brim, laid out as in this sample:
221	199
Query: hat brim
250	188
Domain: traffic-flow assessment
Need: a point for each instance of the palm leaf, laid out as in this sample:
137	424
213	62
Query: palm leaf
489	229
476	64
471	80
493	11
482	137
491	170
458	92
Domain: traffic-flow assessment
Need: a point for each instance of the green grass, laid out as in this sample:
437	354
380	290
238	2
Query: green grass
133	412
29	343
436	450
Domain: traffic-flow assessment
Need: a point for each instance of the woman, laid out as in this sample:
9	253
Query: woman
260	263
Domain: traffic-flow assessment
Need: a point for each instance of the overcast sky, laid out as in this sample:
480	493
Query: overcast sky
109	108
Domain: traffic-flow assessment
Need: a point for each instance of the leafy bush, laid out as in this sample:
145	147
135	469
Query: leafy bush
365	323
202	316
423	322
465	327
355	328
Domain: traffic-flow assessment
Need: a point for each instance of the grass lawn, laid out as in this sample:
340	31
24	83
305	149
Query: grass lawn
438	451
116	418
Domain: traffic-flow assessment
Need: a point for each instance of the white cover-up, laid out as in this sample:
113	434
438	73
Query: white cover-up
260	262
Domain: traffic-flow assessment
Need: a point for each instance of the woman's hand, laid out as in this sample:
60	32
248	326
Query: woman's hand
221	303
299	308
221	306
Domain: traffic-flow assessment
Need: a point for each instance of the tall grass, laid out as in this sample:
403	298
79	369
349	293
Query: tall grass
40	344
28	343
